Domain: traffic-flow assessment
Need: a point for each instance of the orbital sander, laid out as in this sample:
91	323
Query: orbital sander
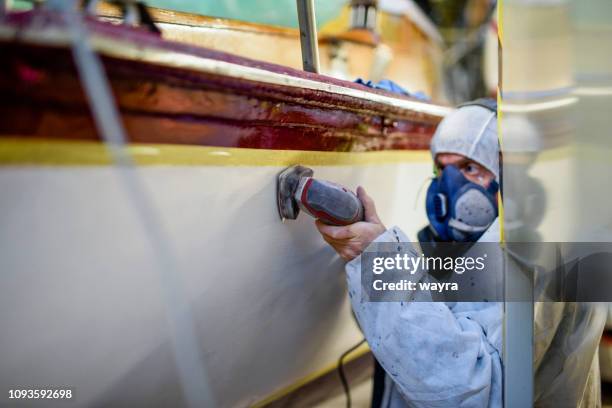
329	202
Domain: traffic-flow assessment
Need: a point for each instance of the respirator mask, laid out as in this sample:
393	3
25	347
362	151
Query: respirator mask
458	209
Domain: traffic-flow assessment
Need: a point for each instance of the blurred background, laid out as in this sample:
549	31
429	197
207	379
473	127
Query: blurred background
555	128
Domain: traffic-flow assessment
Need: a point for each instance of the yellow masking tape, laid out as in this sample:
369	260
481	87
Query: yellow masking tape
19	151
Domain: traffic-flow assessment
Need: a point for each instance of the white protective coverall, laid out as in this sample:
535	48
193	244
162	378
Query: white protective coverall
439	354
435	354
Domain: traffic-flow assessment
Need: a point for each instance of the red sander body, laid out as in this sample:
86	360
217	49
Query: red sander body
326	201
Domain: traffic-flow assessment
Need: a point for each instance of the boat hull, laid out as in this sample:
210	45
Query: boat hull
86	307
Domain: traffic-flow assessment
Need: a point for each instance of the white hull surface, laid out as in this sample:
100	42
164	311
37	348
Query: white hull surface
82	305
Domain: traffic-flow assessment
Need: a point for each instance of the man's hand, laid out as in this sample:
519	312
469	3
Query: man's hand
349	241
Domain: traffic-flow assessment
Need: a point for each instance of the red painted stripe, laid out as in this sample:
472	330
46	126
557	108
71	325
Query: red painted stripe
146	38
41	94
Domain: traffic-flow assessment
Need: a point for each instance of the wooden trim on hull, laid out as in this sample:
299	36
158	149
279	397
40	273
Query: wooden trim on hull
170	96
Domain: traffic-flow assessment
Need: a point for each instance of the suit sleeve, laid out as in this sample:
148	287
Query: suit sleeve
438	355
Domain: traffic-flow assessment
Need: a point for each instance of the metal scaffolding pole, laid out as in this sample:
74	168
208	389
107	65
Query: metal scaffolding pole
518	337
308	35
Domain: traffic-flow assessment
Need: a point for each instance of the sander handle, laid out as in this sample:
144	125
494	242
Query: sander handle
328	202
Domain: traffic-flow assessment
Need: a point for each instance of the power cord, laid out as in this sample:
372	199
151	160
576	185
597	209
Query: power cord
345	384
